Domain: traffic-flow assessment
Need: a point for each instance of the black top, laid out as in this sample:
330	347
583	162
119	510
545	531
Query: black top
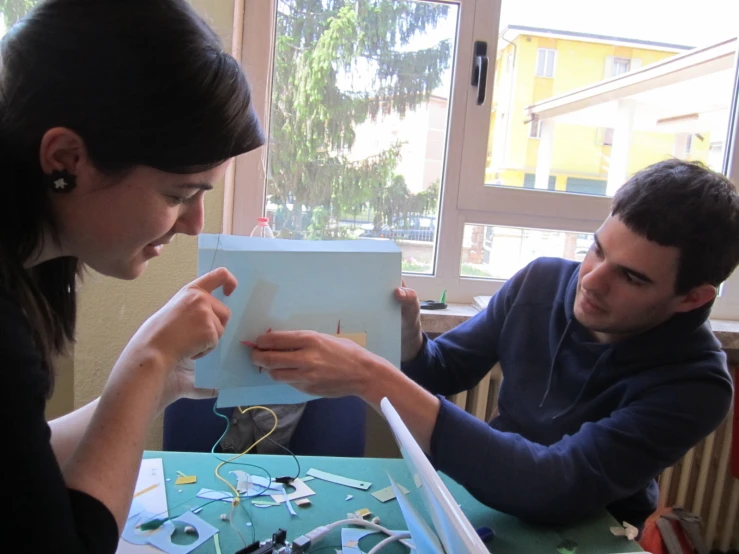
43	514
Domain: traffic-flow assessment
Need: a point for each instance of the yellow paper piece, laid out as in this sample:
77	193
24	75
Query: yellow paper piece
147	489
358	338
186	480
363	512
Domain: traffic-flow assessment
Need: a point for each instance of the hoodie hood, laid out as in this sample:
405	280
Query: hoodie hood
644	347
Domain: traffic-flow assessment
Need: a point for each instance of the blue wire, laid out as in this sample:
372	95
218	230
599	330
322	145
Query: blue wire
213	451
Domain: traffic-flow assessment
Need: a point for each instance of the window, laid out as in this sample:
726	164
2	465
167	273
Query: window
620	66
605	136
535	129
396	145
545	62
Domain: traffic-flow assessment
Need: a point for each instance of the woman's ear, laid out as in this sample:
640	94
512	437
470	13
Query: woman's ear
62	150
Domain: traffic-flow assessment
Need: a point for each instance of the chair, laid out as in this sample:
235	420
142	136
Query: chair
328	427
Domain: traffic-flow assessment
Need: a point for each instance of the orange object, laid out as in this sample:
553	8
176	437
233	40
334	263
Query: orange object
651	539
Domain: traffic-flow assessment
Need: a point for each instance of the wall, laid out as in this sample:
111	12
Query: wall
111	310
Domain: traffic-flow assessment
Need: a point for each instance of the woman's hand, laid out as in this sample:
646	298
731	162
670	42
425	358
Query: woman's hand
320	364
186	328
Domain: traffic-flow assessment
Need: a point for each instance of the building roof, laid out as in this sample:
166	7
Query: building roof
511	31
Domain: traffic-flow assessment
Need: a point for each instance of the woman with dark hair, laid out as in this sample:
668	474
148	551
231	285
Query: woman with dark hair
115	117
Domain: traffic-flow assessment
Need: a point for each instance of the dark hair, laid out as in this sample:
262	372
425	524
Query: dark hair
686	205
142	82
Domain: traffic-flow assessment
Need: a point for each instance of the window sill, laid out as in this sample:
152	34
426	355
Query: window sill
440	321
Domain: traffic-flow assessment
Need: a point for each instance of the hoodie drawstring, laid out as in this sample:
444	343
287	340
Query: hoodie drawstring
554	360
585	385
551	374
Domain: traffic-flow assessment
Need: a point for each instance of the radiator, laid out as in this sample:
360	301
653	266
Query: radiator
700	482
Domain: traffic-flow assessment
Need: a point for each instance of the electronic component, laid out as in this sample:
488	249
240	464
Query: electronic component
301	544
278	545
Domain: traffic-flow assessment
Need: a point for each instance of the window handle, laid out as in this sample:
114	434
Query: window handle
480	70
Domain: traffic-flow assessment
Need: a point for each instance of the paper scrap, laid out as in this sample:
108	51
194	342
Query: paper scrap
357	338
287	501
308	478
163	541
301	491
210	494
417	480
147	489
352	544
388	493
424	538
254	485
349	497
217	541
264	503
339	480
186	480
628	531
154	501
303	502
363	512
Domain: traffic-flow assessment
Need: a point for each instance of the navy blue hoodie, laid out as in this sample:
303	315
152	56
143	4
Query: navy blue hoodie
582	426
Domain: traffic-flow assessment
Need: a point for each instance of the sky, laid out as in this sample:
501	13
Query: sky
683	22
686	22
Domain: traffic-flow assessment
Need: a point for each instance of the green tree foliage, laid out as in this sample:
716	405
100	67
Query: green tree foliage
12	10
324	47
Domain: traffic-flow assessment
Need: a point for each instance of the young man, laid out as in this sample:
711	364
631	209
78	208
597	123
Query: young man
611	372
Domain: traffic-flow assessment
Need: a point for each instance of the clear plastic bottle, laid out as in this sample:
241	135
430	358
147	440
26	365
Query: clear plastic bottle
262	229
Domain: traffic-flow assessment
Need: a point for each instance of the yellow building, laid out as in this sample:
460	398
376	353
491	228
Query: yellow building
535	64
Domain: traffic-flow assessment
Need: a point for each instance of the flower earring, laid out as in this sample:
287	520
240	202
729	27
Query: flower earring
60	181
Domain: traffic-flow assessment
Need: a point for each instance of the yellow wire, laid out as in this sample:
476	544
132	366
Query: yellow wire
236	500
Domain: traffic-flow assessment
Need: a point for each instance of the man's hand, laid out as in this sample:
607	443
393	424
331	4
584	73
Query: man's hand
411	336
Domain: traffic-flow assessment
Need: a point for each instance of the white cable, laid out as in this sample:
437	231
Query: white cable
318	533
361	523
389	540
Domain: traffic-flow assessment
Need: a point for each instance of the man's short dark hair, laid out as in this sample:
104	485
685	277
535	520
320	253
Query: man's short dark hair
686	205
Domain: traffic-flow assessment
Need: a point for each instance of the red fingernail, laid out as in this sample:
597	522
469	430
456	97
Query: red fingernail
249	343
269	330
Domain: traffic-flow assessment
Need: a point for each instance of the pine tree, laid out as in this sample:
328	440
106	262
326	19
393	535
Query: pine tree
322	45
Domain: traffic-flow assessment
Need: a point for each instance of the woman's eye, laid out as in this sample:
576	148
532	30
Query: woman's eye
176	200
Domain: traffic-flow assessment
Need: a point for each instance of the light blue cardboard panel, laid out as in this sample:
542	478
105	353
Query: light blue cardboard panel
297	285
